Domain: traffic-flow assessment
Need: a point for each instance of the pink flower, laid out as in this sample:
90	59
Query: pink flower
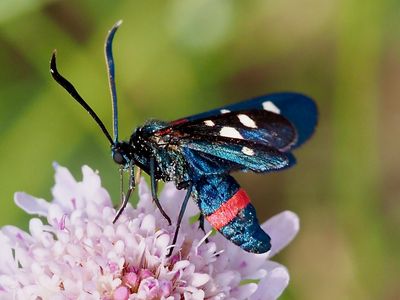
74	251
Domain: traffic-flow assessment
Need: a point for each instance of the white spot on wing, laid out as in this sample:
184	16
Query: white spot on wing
248	151
224	111
209	123
247	121
268	105
230	132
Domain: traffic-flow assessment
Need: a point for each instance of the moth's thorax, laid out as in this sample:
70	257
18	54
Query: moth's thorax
170	164
151	126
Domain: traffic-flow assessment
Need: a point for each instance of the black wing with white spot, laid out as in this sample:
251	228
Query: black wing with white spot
255	126
300	110
255	135
253	140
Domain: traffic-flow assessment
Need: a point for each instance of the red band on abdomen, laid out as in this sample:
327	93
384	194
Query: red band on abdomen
229	210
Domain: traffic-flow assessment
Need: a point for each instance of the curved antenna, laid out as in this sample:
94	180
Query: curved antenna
73	92
111	76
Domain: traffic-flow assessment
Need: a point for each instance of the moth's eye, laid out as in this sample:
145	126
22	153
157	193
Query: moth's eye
118	158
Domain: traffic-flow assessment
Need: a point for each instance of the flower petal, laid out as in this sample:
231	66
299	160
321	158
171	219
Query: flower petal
17	237
199	279
66	188
91	180
31	205
172	198
145	204
7	263
245	291
282	228
272	286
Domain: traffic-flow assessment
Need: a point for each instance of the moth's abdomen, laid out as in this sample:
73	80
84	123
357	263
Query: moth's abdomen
244	231
227	208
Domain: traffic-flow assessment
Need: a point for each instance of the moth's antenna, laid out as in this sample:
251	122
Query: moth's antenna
73	92
111	76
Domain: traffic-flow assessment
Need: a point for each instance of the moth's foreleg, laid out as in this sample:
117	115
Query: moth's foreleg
125	198
181	213
154	190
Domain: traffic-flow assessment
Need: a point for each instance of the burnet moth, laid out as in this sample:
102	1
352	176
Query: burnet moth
199	152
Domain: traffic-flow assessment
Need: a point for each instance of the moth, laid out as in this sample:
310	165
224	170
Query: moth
198	153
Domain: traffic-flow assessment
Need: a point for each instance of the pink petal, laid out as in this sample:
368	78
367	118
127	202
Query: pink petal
171	198
282	228
148	224
31	205
64	176
55	215
17	237
199	279
272	286
8	283
121	293
7	263
245	291
228	278
145	200
247	263
170	194
92	190
36	228
65	189
91	180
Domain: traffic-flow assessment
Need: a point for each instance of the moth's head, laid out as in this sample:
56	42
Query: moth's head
122	153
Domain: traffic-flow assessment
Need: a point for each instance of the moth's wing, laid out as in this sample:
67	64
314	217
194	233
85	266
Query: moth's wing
254	126
298	109
227	154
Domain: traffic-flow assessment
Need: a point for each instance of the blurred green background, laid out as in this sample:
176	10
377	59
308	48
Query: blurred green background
176	58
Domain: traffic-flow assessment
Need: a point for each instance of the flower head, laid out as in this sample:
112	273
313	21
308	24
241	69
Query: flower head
74	251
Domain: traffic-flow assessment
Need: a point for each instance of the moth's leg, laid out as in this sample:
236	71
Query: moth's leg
138	174
125	198
201	224
181	213
121	185
154	190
